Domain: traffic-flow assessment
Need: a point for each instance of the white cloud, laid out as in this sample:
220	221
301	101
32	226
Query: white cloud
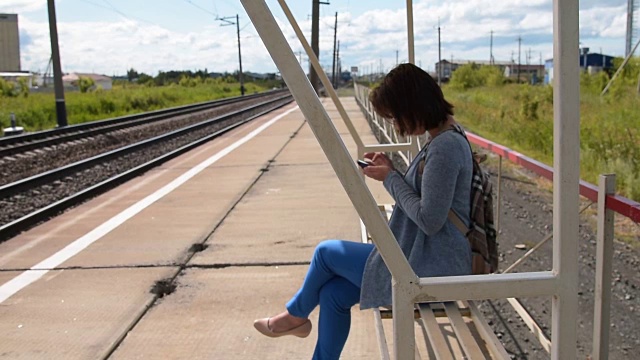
604	21
366	39
15	6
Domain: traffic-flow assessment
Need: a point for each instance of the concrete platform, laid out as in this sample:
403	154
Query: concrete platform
259	225
210	316
74	314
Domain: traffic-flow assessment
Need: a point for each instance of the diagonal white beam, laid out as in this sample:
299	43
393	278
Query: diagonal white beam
323	76
329	140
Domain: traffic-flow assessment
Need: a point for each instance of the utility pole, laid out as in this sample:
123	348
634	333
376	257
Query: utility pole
335	35
397	57
61	108
541	58
315	40
228	22
491	61
451	67
439	57
300	57
519	44
339	66
630	23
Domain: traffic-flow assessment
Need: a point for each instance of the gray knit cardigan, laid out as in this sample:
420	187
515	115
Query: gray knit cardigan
431	243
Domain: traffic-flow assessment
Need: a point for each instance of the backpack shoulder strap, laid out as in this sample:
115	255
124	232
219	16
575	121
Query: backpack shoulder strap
455	219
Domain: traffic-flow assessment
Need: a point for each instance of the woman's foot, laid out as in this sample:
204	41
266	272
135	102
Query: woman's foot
283	324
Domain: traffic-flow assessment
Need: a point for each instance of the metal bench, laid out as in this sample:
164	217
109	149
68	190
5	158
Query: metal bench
450	330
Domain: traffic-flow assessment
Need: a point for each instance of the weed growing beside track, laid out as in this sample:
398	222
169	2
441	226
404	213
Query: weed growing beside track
36	111
521	117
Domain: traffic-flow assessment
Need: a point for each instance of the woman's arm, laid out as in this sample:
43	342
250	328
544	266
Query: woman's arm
439	176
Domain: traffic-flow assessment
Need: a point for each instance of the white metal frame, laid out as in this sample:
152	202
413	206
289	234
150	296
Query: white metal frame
362	148
561	283
604	257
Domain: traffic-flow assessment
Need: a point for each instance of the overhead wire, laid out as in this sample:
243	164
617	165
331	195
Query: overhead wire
201	8
110	7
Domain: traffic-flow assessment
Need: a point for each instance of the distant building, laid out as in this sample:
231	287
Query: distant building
15	77
530	73
101	81
9	43
259	76
591	63
448	67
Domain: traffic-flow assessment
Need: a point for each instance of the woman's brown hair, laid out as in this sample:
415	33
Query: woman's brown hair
410	97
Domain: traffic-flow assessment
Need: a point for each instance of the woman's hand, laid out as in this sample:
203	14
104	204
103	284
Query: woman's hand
380	166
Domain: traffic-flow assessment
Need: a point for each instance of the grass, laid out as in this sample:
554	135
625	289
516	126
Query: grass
37	110
521	117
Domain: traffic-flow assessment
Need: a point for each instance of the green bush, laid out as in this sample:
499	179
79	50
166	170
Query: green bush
466	77
85	83
521	117
472	75
7	89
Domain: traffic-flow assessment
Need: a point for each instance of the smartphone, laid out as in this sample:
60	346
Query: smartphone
363	164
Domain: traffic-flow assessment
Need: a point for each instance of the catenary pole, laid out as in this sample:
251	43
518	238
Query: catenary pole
519	53
227	22
439	57
61	109
491	49
315	40
335	35
241	75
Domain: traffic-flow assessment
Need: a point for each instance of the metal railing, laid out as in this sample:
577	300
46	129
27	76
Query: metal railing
604	195
407	288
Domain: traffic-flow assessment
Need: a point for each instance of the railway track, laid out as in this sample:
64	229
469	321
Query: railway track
29	201
13	145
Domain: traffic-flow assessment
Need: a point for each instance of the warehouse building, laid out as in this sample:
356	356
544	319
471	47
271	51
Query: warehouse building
9	43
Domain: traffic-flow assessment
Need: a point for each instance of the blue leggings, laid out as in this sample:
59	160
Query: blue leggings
333	282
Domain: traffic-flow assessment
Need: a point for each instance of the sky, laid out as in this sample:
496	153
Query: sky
111	36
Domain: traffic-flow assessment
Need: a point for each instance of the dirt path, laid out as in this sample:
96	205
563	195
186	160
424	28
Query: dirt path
526	217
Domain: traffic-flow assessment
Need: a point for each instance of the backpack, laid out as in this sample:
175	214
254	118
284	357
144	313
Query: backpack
482	233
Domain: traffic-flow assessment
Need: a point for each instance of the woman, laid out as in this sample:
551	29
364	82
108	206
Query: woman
343	273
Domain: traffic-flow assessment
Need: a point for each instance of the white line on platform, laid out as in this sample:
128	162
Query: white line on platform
23	280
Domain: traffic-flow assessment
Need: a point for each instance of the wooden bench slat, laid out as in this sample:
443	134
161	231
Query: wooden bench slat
430	325
437	345
466	340
495	346
437	312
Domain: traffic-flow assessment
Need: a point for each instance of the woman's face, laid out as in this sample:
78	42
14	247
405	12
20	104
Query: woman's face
417	132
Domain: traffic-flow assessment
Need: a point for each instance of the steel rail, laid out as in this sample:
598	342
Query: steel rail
15	227
48	176
22	143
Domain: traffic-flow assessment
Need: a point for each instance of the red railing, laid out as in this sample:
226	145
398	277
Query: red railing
619	204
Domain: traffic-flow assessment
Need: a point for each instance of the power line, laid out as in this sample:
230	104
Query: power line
110	7
201	8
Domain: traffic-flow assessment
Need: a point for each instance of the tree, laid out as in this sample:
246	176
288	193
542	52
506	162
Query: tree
85	83
23	83
132	74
